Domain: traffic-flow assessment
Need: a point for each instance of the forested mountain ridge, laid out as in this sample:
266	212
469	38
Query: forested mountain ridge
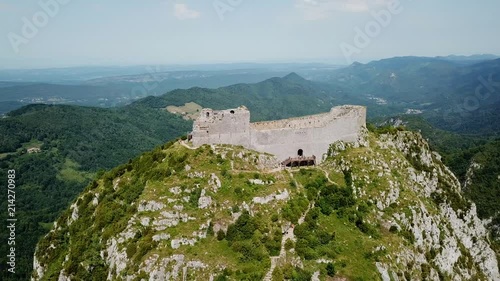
271	99
452	96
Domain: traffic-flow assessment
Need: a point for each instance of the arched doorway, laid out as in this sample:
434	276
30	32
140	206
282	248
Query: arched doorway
300	153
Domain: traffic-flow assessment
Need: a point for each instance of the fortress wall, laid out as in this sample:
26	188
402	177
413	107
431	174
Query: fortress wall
286	142
319	120
283	138
222	127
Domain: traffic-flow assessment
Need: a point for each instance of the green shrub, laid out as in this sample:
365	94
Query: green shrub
278	274
393	229
221	235
330	269
289	244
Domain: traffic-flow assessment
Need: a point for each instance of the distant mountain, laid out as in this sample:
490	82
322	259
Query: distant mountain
444	91
472	59
110	86
294	77
402	80
274	98
76	75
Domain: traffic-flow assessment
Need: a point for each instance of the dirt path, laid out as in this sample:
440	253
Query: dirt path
183	143
275	170
327	175
288	235
315	276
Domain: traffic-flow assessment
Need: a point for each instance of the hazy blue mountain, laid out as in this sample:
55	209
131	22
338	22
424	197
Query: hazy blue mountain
472	59
115	86
274	98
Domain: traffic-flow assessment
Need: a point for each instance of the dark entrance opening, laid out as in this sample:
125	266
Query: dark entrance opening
300	153
299	161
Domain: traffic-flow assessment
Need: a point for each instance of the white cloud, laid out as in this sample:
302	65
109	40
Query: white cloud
183	12
322	9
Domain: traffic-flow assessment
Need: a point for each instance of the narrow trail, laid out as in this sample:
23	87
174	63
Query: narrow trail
287	235
275	170
315	276
327	175
303	217
183	143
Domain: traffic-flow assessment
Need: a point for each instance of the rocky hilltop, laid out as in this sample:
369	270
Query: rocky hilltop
384	208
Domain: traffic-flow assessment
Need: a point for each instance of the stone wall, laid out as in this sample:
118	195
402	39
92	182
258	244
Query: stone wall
230	126
308	135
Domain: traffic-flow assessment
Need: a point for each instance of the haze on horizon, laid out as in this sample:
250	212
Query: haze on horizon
61	33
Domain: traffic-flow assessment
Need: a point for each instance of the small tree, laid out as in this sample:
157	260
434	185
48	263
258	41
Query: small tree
221	235
330	269
278	274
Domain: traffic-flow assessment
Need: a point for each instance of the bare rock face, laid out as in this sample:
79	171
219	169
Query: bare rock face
447	239
38	269
214	182
150	206
265	200
204	201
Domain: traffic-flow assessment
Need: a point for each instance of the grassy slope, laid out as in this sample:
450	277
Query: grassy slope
357	234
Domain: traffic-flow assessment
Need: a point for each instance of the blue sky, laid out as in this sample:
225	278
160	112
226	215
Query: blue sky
126	32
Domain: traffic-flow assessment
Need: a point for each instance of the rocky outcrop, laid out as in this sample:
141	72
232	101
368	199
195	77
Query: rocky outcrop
449	240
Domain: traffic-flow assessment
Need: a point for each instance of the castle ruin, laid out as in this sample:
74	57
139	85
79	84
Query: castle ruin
294	141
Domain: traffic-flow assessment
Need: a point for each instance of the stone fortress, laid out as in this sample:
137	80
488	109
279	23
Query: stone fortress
295	141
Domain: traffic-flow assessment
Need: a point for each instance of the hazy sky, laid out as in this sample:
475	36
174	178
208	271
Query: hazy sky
124	32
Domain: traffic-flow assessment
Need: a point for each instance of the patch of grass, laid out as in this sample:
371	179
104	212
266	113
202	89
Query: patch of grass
351	245
70	172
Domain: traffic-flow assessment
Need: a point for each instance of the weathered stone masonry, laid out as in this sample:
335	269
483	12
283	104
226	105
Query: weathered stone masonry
301	136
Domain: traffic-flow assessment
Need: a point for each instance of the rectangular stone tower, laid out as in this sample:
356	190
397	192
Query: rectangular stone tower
231	126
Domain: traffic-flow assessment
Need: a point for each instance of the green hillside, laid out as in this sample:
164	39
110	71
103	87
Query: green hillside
385	207
75	142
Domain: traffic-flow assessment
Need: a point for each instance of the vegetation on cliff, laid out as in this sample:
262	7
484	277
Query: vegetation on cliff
386	206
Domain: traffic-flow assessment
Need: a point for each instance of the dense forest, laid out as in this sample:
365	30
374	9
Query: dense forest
76	144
